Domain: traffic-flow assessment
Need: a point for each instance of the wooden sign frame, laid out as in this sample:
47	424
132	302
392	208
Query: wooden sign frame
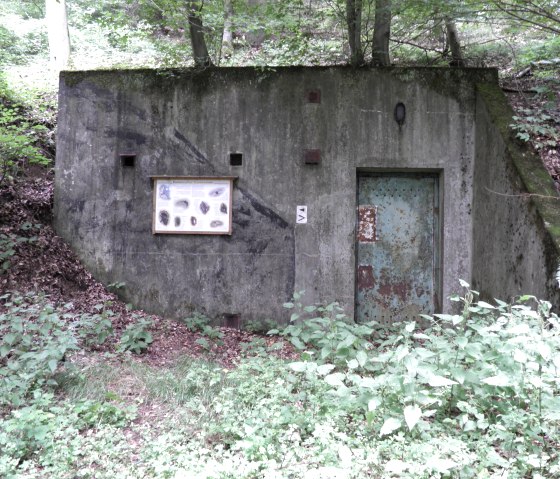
192	205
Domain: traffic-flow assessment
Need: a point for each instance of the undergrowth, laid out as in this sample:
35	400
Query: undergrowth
23	136
464	395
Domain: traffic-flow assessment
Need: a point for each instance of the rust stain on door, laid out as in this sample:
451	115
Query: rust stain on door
367	224
365	276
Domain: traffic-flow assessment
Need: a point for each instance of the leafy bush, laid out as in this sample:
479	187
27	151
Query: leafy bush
328	330
95	329
18	137
474	394
35	338
536	126
38	428
33	343
11	51
110	411
196	322
199	323
489	376
544	49
136	337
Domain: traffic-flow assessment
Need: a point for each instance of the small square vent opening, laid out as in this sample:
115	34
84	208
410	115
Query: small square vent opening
128	161
236	159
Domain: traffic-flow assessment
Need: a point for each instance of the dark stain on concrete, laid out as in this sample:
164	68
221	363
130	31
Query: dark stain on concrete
194	152
264	210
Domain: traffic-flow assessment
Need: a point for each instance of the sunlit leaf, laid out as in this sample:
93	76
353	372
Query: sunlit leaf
373	404
324	369
410	326
335	379
353	364
500	380
440	381
53	363
298	367
441	465
485	305
389	426
412	415
361	357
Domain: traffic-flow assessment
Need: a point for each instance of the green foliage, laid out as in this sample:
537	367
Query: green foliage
109	411
199	323
95	329
473	394
537	126
196	322
35	430
18	137
490	375
10	50
136	337
327	330
540	49
259	326
33	343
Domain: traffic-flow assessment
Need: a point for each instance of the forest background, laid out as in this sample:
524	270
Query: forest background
519	37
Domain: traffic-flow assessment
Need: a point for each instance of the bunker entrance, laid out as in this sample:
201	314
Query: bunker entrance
397	246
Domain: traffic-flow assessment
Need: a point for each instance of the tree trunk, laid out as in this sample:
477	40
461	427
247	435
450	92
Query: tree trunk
196	30
59	38
381	34
457	59
227	36
354	23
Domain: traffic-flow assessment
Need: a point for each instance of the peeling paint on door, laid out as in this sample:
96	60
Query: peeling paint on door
397	243
367	224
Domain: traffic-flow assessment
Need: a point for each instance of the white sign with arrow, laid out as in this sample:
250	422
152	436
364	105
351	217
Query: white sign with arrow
301	215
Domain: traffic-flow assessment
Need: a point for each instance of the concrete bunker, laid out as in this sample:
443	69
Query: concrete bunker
377	188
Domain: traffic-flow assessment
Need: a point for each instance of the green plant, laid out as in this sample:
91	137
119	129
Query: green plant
10	47
537	127
17	141
196	322
200	323
491	374
136	337
38	428
212	333
259	326
34	340
326	329
109	411
95	329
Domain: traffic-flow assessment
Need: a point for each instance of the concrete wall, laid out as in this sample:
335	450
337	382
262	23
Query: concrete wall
187	123
514	251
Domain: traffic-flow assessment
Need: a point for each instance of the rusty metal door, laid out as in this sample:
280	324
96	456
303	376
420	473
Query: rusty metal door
397	247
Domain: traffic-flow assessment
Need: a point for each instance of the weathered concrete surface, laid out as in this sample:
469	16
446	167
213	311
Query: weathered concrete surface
187	123
516	210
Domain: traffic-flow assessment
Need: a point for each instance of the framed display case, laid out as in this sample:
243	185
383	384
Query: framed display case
192	205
